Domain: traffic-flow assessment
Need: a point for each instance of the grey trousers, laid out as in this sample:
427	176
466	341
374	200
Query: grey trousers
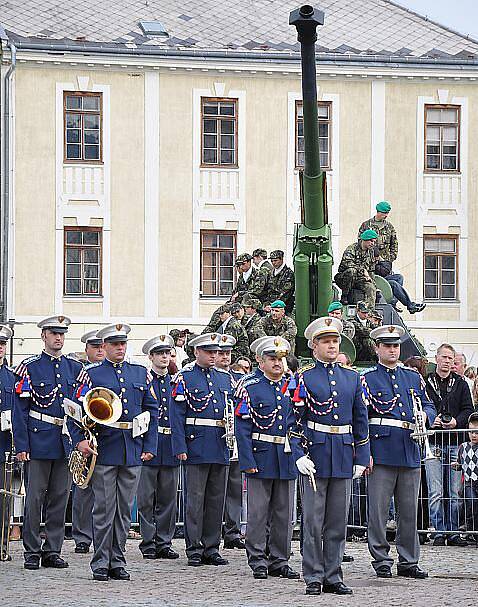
403	484
324	523
205	494
157	506
233	505
269	501
49	482
82	515
114	488
6	502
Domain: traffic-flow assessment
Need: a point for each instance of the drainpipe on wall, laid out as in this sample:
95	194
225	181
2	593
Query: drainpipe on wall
7	177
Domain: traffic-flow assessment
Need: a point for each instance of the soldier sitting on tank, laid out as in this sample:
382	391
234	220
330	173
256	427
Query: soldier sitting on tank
363	343
375	319
281	283
260	261
386	252
251	280
251	321
336	310
356	269
277	323
231	326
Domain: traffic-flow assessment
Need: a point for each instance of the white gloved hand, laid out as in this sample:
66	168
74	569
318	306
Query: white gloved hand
358	471
305	465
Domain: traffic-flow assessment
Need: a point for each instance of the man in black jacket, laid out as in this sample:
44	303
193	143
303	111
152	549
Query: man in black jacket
452	398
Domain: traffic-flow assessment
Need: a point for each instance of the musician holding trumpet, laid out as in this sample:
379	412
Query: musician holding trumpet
399	411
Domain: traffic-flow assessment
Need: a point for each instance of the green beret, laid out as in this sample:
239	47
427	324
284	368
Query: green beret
278	303
277	254
368	235
383	207
259	253
335	305
242	258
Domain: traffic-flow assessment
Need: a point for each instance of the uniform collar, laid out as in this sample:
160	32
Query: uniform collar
156	374
115	365
204	369
279	269
389	369
51	358
247	275
322	363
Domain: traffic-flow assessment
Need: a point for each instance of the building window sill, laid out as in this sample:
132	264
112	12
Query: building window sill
83	299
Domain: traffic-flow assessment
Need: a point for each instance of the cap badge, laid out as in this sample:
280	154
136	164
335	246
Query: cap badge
391	329
213	336
61	319
162	337
119	327
328	321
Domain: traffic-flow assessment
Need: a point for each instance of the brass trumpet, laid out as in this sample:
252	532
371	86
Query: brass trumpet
6	500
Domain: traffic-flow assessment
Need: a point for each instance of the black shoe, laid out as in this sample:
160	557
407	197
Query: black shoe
82	548
397	308
55	561
214	559
119	573
347	558
167	553
338	588
260	573
195	560
286	572
456	541
101	575
5	558
236	543
439	541
150	554
414	571
313	588
32	562
383	571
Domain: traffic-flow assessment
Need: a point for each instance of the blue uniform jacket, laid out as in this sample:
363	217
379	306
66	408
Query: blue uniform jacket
7	386
132	383
267	411
388	393
200	393
330	394
43	381
162	389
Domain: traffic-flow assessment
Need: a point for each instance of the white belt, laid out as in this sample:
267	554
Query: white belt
163	430
120	425
49	419
268	438
330	429
198	421
395	423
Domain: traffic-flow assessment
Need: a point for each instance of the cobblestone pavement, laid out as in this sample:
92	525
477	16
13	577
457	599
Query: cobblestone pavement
453	578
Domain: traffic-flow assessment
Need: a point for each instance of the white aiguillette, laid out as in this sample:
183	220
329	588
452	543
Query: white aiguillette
73	409
141	423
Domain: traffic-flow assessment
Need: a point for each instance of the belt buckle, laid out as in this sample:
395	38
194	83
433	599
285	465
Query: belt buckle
220	423
334	429
123	425
58	421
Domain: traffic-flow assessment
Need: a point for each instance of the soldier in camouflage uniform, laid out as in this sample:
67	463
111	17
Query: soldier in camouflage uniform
251	280
259	257
364	345
215	320
336	310
251	320
375	319
277	323
281	285
231	326
356	268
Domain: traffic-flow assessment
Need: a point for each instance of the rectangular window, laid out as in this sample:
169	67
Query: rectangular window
218	252
219	132
83	261
442	138
325	134
440	268
82	118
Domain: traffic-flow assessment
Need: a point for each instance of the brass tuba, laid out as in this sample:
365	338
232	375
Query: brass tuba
102	406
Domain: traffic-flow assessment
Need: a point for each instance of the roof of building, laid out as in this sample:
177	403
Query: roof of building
353	28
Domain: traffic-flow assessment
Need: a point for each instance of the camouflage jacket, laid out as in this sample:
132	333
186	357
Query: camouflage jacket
235	329
214	322
252	325
363	343
358	259
255	286
387	237
286	329
281	286
266	266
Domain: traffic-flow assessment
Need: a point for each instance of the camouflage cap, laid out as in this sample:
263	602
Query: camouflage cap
242	258
251	302
225	308
235	307
277	254
259	253
376	314
362	307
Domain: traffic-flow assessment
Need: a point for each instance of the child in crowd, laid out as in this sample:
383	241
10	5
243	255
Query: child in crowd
467	461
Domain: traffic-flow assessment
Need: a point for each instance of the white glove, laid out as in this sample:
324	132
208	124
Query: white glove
358	471
305	465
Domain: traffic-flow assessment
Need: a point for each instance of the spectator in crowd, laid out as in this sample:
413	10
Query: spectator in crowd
460	366
244	363
419	363
470	372
344	359
179	336
173	366
467	464
452	398
474	393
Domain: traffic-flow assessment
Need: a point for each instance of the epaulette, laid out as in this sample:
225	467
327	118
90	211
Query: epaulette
250	381
306	367
364	371
347	368
188	367
92	365
30	359
221	370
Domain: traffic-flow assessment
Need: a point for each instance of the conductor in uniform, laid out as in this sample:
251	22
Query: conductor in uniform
198	440
158	484
391	391
82	499
333	447
43	381
122	448
263	410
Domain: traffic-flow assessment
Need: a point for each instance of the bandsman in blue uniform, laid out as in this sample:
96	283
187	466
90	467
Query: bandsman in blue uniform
82	499
41	439
263	410
391	391
198	438
233	503
158	485
7	385
333	447
123	446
